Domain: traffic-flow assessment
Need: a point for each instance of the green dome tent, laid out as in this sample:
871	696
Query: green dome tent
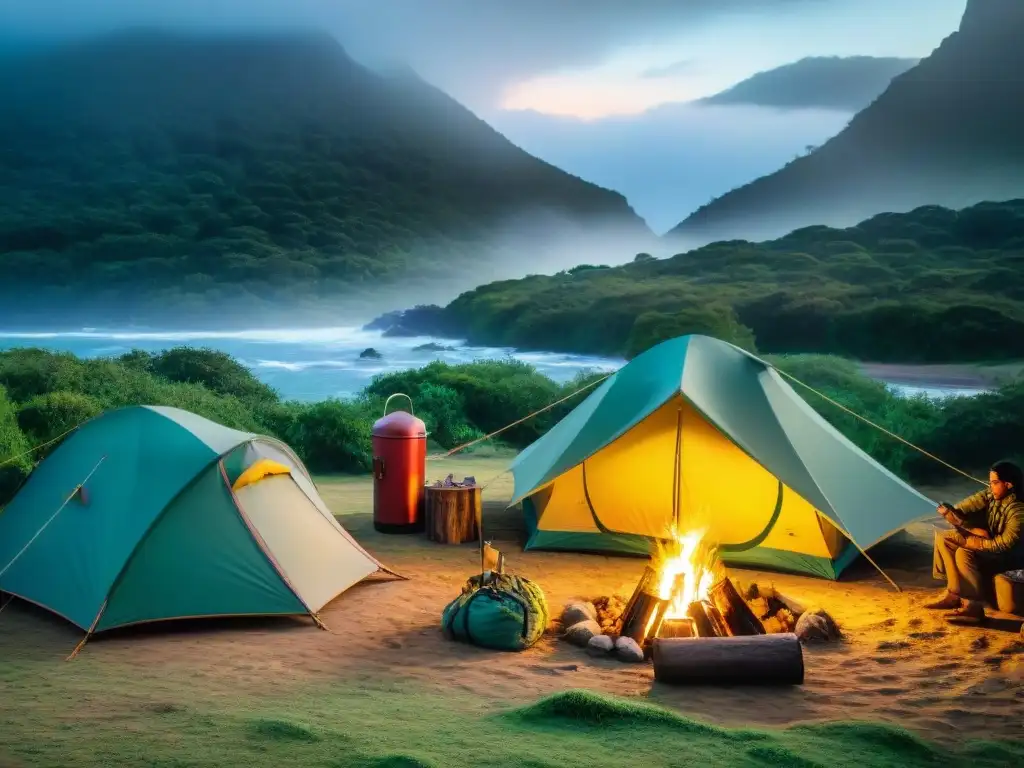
149	513
699	431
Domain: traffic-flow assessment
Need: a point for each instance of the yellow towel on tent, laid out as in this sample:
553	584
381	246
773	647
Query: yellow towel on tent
259	470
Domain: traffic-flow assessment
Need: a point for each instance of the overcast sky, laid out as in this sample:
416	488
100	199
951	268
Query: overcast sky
589	61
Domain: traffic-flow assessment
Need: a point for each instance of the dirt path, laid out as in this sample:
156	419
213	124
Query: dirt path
944	376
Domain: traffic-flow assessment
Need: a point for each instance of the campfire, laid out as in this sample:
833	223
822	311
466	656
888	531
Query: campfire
696	624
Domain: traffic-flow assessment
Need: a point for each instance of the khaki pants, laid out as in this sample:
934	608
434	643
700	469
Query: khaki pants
967	573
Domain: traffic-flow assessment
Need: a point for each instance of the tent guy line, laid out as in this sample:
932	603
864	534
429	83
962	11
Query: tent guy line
53	517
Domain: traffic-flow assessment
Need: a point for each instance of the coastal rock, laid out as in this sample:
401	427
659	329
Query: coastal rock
370	354
421	320
432	346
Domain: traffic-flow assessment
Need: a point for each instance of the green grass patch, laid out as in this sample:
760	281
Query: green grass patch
352	728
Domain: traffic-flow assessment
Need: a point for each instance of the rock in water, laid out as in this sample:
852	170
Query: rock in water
626	649
817	626
601	645
370	354
574	613
581	632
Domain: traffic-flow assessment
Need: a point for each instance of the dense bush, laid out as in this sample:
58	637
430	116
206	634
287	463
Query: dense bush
15	460
458	403
870	292
47	418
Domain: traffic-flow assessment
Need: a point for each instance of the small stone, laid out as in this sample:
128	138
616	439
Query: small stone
626	649
581	632
601	645
817	625
574	613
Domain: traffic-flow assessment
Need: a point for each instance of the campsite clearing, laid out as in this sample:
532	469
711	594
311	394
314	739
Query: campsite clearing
385	688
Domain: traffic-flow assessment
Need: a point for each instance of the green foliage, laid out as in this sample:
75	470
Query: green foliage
988	426
15	461
332	436
48	417
931	285
652	328
460	403
915	419
217	371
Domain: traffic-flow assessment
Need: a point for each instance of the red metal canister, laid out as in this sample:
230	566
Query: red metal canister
399	470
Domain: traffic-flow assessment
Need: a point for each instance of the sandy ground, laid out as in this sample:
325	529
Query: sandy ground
899	663
951	376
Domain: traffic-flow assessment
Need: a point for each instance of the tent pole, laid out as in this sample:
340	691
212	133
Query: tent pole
88	632
677	472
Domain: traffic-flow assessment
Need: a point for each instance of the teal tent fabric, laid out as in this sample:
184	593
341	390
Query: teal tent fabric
157	533
747	400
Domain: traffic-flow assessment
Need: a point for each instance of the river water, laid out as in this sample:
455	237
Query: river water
314	364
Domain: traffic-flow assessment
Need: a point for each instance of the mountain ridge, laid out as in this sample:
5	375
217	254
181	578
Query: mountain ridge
933	137
822	82
263	169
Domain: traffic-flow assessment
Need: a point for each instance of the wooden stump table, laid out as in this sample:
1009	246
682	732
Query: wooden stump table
451	513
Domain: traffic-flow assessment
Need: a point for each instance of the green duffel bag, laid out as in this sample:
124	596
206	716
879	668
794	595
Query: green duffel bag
509	613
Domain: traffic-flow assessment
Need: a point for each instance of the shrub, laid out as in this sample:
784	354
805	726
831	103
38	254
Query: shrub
49	417
332	436
217	371
15	459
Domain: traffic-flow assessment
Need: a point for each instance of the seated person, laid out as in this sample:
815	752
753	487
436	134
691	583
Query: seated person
987	538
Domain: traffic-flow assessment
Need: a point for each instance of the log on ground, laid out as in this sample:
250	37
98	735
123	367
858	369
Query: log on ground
451	514
745	660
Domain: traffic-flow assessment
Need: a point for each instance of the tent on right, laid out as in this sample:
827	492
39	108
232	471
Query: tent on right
697	434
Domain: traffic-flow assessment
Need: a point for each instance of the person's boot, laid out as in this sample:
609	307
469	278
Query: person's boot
971	613
948	602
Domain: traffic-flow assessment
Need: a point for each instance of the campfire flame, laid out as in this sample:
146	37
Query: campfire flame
687	554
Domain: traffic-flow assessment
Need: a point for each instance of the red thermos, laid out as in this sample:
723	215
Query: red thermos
399	470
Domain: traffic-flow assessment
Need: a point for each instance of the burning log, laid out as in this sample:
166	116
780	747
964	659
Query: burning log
677	628
736	614
644	607
707	620
752	659
644	615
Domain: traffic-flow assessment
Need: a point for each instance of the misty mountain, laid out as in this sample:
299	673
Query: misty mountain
932	285
192	173
945	132
843	83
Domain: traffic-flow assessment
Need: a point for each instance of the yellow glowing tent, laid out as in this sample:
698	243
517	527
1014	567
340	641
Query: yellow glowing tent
698	434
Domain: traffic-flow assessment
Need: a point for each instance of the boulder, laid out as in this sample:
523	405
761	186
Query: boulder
816	625
581	632
626	649
577	612
600	645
